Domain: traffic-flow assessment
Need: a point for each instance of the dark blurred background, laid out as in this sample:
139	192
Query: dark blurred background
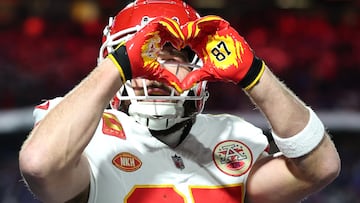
48	46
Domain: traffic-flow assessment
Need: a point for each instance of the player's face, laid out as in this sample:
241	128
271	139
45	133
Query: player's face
172	58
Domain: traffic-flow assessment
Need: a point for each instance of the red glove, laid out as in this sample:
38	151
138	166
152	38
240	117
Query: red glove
137	57
225	54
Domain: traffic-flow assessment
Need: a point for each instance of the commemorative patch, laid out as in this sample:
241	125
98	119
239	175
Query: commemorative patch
127	162
232	157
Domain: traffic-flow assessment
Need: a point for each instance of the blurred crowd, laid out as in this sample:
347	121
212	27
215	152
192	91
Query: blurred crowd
316	51
35	67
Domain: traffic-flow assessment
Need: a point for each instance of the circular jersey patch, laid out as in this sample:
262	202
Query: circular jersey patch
127	162
232	157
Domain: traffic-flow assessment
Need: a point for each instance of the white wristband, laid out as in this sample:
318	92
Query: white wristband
303	142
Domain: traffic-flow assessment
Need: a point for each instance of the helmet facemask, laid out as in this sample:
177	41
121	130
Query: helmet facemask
160	112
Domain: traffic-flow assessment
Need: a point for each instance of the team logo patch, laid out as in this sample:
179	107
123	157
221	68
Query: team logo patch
127	162
232	157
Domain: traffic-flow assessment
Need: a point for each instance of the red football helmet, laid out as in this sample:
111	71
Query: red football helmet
137	14
155	115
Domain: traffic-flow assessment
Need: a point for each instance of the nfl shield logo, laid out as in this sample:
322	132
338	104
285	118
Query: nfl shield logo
178	162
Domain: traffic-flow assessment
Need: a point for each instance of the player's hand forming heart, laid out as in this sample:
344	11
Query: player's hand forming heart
226	56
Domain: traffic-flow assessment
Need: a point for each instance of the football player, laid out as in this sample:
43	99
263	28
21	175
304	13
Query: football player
153	143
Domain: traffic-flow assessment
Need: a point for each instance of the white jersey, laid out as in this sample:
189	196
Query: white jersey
129	165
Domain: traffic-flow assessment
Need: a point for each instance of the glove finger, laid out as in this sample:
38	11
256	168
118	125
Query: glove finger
196	76
165	76
170	31
204	26
211	24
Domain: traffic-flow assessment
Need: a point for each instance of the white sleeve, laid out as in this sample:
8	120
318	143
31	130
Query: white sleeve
93	190
42	109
